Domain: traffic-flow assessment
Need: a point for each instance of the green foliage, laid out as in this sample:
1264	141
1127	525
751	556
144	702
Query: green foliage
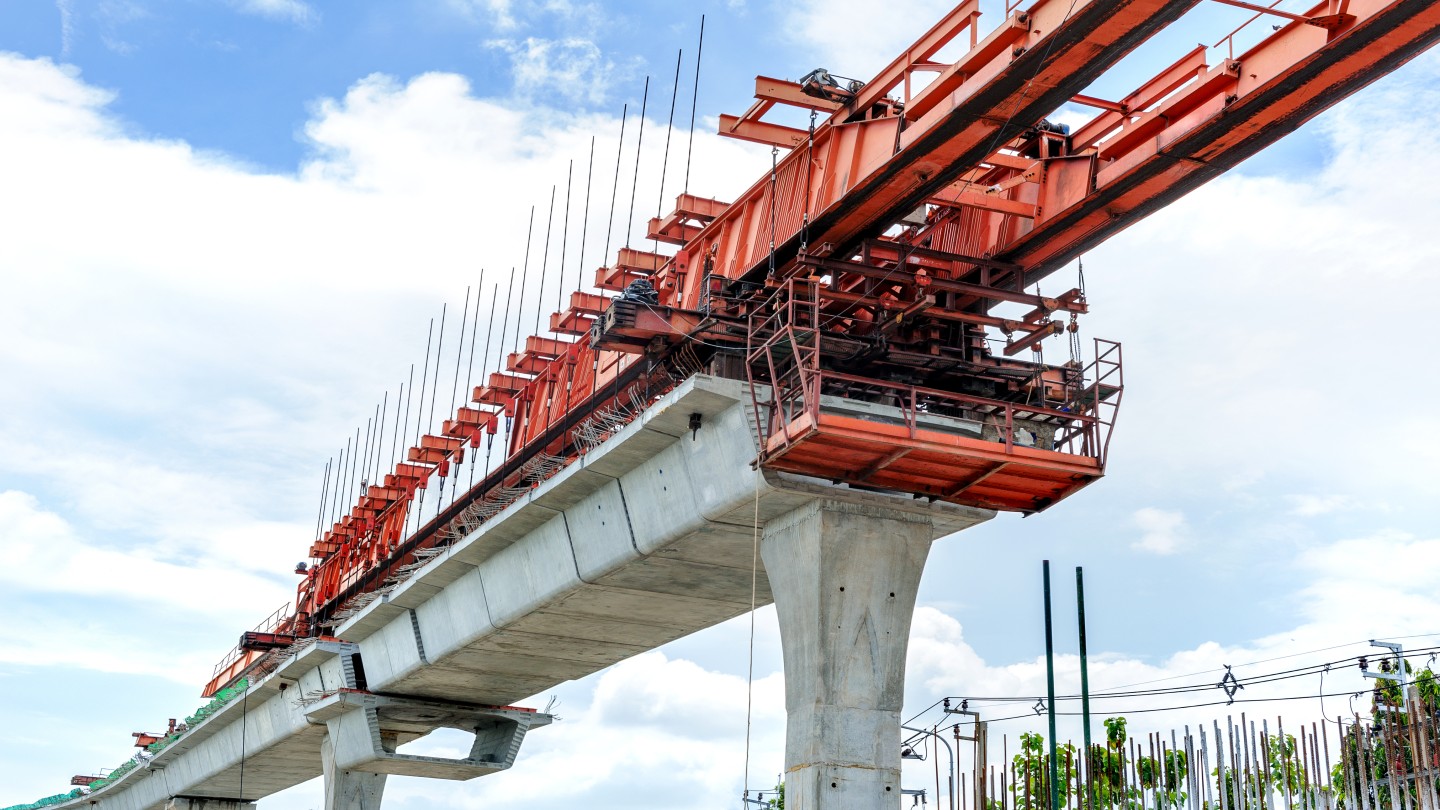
1115	732
1031	788
778	803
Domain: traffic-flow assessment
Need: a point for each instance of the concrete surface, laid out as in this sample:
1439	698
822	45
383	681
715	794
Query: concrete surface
646	539
845	577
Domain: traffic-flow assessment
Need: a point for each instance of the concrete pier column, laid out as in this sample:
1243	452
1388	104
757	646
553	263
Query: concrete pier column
844	578
349	790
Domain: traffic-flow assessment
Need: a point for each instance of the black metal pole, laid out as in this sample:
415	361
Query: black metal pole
1050	693
1084	685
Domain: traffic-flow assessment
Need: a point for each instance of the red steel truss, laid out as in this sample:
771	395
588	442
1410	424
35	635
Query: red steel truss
861	284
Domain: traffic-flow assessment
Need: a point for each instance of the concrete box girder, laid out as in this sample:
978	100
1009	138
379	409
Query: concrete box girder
646	539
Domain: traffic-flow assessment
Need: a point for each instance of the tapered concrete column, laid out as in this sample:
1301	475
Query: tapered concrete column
844	578
349	790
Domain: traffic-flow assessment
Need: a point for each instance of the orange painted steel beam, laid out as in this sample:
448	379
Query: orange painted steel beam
786	92
925	206
860	182
1223	117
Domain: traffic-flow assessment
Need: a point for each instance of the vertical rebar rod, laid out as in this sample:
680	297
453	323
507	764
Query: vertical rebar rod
455	387
364	470
665	161
354	467
584	222
324	493
564	243
409	391
524	278
500	354
484	361
615	186
554	382
419	409
639	142
344	489
435	383
470	364
339	476
424	380
544	267
694	100
460	347
380	438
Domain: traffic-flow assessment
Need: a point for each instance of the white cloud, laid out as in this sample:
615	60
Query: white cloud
184	324
830	31
46	556
507	15
1162	531
296	11
499	13
1317	505
67	25
47	560
571	69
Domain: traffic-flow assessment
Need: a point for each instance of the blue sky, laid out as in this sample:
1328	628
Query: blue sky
229	222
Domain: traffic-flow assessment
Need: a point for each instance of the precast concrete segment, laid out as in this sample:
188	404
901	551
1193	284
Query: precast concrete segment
644	540
845	577
349	790
625	552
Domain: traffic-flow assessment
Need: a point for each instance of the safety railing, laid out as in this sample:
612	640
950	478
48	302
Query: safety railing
788	383
1100	399
783	354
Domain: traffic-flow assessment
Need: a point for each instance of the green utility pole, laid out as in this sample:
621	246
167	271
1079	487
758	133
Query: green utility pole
1050	686
1084	682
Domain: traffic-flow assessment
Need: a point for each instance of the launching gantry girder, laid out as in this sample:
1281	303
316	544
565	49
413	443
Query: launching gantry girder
879	287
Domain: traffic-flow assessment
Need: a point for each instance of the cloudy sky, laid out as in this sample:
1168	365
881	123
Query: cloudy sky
227	224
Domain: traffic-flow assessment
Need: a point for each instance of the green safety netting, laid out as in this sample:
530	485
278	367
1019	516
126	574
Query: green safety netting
48	800
221	698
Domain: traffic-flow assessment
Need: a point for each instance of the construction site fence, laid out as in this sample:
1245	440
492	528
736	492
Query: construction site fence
1389	760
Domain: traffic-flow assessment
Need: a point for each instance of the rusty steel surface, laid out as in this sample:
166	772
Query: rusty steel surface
876	286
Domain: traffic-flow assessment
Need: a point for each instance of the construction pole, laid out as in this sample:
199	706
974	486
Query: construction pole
1050	693
1084	685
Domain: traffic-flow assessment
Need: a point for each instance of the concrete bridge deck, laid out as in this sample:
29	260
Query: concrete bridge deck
648	538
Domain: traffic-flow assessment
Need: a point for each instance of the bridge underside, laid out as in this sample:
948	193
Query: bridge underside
649	538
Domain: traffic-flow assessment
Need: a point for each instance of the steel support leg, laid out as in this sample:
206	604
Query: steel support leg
844	578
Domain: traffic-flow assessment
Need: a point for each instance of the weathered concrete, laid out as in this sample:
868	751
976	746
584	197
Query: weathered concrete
644	540
346	789
845	578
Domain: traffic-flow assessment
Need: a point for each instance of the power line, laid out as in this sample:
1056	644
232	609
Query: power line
1273	677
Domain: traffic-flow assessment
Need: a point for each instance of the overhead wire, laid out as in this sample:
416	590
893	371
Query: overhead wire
1274	677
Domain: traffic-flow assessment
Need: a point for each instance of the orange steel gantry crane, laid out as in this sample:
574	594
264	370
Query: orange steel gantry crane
856	284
